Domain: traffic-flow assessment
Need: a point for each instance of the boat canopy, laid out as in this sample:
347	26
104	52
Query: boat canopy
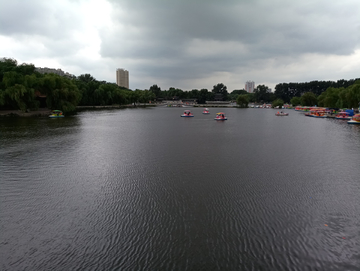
350	111
220	113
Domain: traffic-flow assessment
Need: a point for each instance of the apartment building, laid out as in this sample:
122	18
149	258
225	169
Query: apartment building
122	78
250	86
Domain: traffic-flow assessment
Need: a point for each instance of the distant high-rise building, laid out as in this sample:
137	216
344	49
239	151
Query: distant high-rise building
250	86
122	78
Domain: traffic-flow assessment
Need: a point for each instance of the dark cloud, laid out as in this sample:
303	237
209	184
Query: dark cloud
188	43
267	29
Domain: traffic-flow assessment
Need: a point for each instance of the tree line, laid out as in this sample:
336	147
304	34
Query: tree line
332	97
339	94
22	87
287	91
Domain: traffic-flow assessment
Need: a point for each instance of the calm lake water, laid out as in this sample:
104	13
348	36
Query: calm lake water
144	189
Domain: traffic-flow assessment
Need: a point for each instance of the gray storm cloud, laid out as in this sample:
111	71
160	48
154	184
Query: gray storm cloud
192	44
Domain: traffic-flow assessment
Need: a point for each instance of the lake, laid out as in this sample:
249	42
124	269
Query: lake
144	189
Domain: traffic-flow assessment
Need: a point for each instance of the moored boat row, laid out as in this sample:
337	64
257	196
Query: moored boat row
317	112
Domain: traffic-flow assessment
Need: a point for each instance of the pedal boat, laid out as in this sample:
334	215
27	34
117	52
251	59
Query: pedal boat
56	114
187	114
220	116
281	114
355	119
206	111
343	116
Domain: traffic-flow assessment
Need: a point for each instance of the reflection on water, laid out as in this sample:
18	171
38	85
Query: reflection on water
144	189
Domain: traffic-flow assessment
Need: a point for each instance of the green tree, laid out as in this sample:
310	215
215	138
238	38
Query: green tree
86	78
202	98
22	96
353	95
19	91
332	97
295	101
2	97
220	89
175	92
277	102
342	102
321	99
242	100
155	90
194	94
147	96
7	65
262	94
233	95
61	92
25	69
251	97
308	99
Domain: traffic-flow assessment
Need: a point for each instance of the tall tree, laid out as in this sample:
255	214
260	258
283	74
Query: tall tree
308	99
233	95
19	91
220	89
86	78
295	101
156	90
61	92
353	95
262	94
242	100
7	65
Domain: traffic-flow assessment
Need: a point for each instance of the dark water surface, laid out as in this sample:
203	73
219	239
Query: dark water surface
143	189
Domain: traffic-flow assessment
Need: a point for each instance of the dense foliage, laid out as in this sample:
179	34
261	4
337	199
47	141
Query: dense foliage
278	102
242	100
287	91
342	97
262	94
295	101
22	87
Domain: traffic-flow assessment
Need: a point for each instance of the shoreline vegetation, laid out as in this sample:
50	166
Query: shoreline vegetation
27	91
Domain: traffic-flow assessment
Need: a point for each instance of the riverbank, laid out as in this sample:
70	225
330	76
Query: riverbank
44	112
114	106
41	112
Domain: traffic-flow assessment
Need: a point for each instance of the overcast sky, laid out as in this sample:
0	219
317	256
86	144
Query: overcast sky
187	44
